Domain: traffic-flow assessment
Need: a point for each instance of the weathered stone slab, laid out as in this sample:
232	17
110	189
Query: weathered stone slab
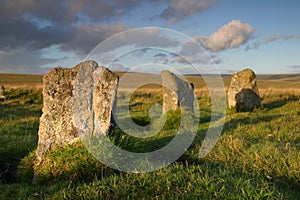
243	91
96	92
176	92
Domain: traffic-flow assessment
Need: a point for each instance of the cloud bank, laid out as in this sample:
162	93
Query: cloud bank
75	25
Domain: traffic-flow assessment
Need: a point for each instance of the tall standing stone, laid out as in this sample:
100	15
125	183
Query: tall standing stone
94	98
243	91
176	92
57	127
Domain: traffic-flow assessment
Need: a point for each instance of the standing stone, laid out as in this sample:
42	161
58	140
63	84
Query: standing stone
176	92
94	98
243	91
104	98
2	93
57	127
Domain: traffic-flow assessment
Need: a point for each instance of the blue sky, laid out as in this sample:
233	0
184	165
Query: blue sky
262	35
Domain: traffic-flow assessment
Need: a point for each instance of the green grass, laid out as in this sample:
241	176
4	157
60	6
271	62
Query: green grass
19	120
256	157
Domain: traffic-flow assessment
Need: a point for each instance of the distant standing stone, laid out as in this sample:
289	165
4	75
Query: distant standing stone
57	127
176	92
2	93
243	91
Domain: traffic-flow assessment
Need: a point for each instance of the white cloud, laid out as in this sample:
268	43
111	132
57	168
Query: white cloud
231	35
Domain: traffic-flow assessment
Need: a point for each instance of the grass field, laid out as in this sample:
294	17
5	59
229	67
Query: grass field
256	157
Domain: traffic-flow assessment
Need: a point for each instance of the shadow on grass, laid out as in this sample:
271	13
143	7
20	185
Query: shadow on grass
17	111
279	103
19	127
232	124
158	141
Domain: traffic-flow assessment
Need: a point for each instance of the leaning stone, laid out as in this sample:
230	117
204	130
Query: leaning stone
176	92
243	91
57	127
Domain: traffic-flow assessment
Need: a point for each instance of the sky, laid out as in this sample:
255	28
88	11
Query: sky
36	36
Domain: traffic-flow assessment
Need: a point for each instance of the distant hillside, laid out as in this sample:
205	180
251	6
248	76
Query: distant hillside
21	81
280	77
264	81
20	78
278	81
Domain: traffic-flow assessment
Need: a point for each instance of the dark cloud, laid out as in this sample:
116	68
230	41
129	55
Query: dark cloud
87	36
67	11
24	61
19	33
173	55
160	55
79	39
22	23
75	25
179	10
54	10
